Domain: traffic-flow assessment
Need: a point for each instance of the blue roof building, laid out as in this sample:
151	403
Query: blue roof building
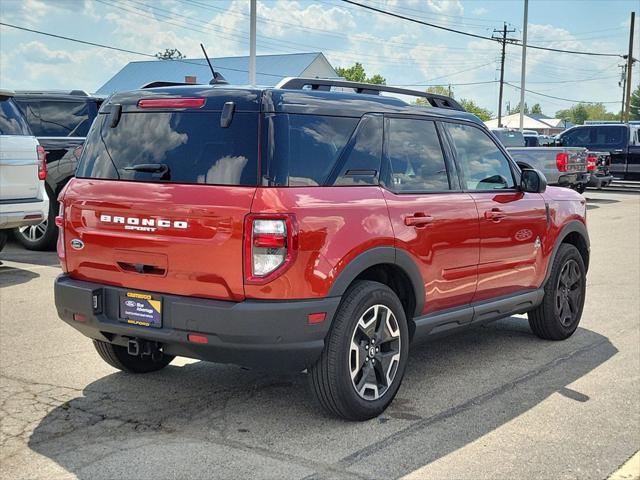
270	69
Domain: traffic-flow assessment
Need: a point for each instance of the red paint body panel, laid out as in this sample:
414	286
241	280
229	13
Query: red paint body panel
335	225
510	225
202	260
446	249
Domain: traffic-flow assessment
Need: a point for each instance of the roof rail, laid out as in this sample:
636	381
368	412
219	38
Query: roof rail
79	93
162	83
298	83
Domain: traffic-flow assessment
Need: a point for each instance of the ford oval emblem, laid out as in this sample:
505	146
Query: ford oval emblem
77	244
130	303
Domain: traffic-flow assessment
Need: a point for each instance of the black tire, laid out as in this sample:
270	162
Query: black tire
3	239
558	316
42	236
581	187
331	379
117	357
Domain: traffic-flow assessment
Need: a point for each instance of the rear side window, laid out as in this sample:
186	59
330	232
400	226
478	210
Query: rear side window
483	165
12	121
415	156
175	147
303	149
53	118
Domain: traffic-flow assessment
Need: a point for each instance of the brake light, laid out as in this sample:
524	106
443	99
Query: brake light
592	160
42	162
562	160
60	247
271	244
171	103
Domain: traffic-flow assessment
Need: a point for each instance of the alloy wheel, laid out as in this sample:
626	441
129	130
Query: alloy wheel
569	293
33	233
374	355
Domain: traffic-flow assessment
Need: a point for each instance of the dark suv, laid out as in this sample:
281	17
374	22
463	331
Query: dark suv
61	121
300	228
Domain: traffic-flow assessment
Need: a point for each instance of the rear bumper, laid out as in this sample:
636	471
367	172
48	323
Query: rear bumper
263	334
29	211
599	181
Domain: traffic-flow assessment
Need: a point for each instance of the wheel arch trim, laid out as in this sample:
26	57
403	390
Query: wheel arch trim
574	226
380	256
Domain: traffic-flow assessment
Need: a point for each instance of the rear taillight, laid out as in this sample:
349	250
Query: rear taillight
171	103
42	162
60	247
270	246
562	160
592	160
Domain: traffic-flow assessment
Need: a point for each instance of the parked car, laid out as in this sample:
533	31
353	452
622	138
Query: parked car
61	121
302	229
23	199
620	141
562	166
531	138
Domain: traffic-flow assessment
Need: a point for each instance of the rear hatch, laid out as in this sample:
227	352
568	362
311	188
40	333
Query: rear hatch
18	155
162	191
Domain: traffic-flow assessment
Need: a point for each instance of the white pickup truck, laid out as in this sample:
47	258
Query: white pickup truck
23	168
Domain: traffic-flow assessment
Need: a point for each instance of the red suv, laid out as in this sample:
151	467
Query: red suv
303	228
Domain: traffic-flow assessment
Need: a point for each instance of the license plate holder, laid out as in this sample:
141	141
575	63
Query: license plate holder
141	309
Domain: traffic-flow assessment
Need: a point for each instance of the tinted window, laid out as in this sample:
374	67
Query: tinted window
532	141
360	160
12	121
415	156
483	165
191	145
303	149
50	118
602	136
510	138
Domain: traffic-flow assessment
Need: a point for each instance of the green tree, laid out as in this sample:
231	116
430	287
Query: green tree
356	73
634	104
536	109
169	54
471	107
436	90
516	109
581	112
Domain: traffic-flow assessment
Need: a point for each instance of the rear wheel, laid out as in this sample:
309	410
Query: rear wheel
117	357
365	354
581	187
558	316
3	239
42	236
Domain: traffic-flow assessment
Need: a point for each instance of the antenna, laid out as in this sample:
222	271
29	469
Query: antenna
217	79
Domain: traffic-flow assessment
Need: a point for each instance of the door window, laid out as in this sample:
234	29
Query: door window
483	165
415	156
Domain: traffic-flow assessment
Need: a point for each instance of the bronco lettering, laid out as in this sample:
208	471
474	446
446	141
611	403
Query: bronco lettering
149	224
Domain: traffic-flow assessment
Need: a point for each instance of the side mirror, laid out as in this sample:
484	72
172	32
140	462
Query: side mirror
532	181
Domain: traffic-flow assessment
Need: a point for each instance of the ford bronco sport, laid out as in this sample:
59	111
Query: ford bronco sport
305	228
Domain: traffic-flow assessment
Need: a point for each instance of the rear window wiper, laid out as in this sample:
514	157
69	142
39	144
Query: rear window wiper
160	170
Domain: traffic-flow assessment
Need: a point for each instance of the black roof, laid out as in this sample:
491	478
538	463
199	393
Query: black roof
275	100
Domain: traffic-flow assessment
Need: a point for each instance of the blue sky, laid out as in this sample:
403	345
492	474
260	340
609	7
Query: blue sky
405	53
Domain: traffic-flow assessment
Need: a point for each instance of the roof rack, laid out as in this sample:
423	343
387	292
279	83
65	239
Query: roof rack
79	93
299	83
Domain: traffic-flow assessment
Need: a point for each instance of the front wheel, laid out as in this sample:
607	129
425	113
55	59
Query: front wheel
3	239
581	187
365	354
558	316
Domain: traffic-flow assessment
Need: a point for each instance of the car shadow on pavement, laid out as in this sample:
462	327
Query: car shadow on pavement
15	276
14	252
187	420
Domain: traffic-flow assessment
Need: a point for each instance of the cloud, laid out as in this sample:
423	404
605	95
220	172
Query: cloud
480	11
313	16
38	52
446	7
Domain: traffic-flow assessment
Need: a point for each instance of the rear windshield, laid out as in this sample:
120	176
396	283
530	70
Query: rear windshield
175	147
11	120
58	118
510	139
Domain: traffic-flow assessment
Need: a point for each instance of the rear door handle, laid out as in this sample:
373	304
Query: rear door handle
494	214
417	220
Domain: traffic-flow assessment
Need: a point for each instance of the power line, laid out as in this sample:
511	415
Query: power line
93	44
557	98
474	35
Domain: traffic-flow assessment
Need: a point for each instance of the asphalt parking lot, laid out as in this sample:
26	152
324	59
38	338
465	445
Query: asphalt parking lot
495	402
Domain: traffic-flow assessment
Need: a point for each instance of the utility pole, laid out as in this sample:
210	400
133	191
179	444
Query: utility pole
449	90
523	73
630	61
623	83
503	40
252	43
